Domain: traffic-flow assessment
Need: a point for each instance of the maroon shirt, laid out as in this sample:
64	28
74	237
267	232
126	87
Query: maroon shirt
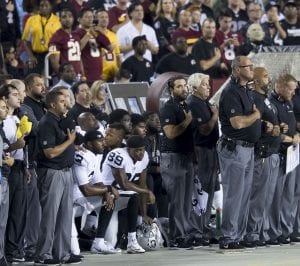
69	47
116	16
73	4
91	56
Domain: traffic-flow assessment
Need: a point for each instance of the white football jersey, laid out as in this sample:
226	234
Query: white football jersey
119	158
86	170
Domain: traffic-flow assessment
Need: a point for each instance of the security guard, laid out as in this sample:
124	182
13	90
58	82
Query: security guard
266	161
241	128
176	162
281	222
205	117
54	164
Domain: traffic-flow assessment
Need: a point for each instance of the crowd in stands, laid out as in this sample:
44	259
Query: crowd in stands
72	169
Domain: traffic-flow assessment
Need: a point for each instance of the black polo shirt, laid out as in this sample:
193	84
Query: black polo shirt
38	107
172	114
269	113
292	38
173	62
50	135
296	104
285	115
201	115
236	100
78	109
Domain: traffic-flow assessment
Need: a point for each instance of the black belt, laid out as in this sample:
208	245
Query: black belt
243	143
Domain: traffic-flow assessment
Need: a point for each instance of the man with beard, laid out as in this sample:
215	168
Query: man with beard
266	162
207	53
139	67
176	164
64	45
178	61
241	128
34	108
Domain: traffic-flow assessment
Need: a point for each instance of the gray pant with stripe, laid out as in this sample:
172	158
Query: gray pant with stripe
177	174
4	204
264	168
207	171
296	207
56	198
237	174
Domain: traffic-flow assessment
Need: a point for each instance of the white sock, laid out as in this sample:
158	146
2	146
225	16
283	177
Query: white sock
131	236
99	240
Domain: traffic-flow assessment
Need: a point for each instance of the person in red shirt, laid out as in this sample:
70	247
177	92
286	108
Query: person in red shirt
91	41
64	45
118	15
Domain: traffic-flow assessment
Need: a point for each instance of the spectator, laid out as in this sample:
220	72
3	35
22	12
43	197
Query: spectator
272	18
111	60
9	21
239	15
138	125
196	18
207	53
136	27
139	67
54	172
123	117
37	33
65	46
67	78
290	25
178	61
254	13
123	76
206	11
184	30
6	162
77	5
99	100
164	25
226	39
83	101
91	40
118	15
14	66
17	180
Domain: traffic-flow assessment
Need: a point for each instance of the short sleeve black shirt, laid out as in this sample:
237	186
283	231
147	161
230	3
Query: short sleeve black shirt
201	113
172	114
236	100
50	135
289	29
78	109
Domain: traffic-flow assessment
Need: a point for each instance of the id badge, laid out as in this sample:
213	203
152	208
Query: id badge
42	41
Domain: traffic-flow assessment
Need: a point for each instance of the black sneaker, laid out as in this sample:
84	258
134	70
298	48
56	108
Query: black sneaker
3	262
74	259
233	245
272	243
295	239
29	259
77	256
47	262
284	240
197	242
260	243
249	244
15	259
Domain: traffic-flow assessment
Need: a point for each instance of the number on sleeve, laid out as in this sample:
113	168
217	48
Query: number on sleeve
115	158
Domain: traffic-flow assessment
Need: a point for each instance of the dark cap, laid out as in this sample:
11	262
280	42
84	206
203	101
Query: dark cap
290	3
137	39
272	4
92	135
135	141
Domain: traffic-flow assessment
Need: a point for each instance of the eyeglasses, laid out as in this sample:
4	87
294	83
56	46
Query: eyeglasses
254	10
251	66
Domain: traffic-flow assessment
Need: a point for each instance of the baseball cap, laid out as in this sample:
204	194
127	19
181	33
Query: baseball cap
290	3
137	39
272	4
93	135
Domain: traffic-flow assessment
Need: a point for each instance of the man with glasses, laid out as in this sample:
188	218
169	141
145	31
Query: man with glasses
241	128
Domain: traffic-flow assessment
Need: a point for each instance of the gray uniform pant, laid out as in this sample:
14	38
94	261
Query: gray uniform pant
280	218
56	198
263	169
237	174
177	174
207	171
33	215
296	207
16	222
4	204
272	181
